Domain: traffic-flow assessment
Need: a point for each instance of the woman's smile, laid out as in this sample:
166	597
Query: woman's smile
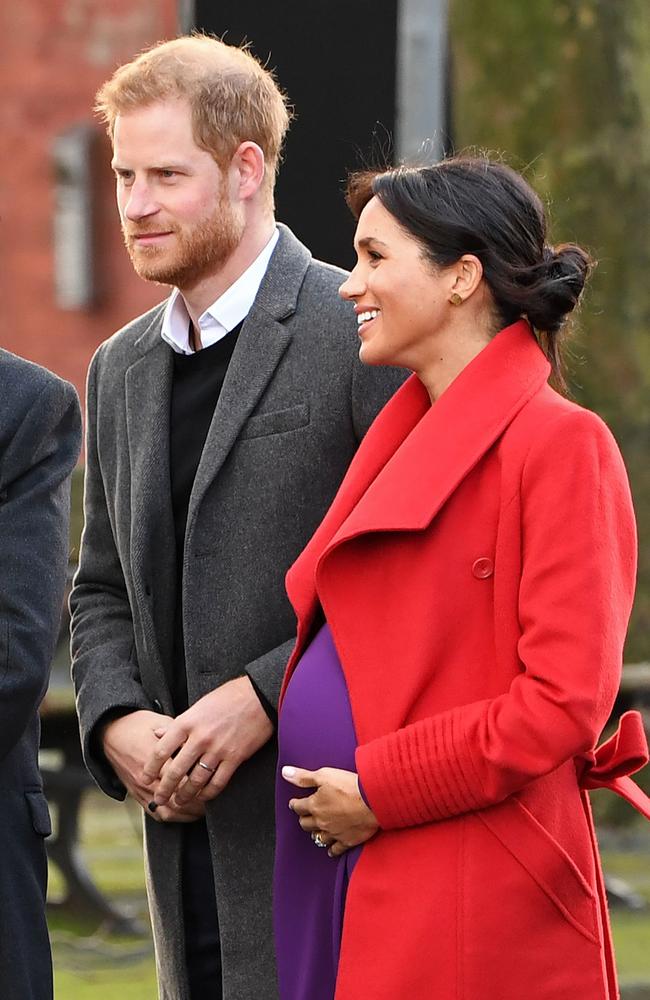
365	317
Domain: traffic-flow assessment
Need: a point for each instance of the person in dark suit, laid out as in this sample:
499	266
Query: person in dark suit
40	437
219	427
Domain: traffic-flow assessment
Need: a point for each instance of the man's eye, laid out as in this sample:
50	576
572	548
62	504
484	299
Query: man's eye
168	174
374	256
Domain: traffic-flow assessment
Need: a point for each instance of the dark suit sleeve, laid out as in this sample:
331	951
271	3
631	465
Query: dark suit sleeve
266	675
35	464
104	669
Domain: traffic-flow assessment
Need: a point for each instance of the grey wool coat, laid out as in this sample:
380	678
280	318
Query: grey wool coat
294	405
40	437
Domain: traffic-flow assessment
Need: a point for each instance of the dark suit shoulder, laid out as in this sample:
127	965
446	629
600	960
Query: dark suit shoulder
22	381
38	411
27	374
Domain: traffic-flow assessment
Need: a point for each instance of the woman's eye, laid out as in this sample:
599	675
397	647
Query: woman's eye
374	256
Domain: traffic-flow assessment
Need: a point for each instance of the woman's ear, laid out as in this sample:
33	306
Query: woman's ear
468	272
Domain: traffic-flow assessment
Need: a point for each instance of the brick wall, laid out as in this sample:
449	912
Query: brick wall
54	54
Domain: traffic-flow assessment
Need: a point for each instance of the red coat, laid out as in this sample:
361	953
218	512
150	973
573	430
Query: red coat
477	572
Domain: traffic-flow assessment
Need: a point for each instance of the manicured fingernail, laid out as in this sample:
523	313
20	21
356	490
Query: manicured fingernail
288	772
152	807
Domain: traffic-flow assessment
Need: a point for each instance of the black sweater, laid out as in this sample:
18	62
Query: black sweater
197	382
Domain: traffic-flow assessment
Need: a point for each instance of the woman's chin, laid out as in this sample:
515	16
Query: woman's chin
370	355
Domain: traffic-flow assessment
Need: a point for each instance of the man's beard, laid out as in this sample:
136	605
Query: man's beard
198	251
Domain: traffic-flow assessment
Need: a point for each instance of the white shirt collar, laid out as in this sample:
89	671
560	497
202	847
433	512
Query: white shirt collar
224	314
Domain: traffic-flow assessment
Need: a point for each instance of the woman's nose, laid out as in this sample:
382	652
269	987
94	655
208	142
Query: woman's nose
352	287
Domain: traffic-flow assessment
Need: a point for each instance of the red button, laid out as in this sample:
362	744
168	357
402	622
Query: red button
483	568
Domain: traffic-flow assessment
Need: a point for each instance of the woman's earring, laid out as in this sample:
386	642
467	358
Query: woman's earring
456	299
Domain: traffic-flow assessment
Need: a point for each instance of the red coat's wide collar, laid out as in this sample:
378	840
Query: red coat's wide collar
415	455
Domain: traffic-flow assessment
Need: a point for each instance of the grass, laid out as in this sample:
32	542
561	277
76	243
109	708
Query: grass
137	983
91	962
630	929
94	963
632	944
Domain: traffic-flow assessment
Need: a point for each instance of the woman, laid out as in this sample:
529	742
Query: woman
462	610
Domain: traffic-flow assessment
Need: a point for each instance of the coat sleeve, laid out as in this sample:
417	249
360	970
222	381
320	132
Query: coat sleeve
34	546
104	667
576	590
266	673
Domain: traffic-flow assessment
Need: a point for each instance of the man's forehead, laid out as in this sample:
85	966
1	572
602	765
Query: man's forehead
170	115
154	130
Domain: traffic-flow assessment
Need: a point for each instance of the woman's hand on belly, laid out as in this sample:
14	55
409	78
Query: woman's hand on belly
336	810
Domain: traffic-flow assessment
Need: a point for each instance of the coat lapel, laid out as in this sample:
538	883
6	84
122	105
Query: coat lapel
451	437
148	398
261	344
415	455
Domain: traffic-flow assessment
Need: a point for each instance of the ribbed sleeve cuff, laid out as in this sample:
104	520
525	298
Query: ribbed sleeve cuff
421	773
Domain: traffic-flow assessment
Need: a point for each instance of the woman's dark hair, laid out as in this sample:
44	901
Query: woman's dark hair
479	206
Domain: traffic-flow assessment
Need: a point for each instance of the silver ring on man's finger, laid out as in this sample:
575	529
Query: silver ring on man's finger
206	767
318	840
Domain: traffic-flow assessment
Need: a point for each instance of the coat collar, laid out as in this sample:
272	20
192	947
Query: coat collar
260	346
415	455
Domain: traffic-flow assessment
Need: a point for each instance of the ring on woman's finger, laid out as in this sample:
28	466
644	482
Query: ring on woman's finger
318	840
206	767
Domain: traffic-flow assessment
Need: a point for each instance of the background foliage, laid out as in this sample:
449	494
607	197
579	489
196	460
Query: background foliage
562	89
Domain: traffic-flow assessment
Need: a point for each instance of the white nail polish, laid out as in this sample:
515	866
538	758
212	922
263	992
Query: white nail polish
288	772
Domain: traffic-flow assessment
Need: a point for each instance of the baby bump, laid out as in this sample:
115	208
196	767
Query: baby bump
316	727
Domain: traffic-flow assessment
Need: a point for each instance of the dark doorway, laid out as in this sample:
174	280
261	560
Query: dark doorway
336	61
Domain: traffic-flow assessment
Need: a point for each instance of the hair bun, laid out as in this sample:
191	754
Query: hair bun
557	291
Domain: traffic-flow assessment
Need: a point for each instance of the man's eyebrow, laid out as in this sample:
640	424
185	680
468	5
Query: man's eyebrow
116	165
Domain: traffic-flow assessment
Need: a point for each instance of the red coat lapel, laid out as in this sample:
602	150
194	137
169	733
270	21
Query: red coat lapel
415	455
438	450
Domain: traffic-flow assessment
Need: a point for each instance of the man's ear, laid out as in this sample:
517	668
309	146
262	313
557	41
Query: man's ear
248	162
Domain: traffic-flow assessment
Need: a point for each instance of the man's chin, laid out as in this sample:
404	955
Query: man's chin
152	270
158	276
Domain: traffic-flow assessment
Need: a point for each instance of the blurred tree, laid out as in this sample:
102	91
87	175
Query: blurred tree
562	89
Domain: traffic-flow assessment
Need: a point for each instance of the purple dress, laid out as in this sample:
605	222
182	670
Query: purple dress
315	730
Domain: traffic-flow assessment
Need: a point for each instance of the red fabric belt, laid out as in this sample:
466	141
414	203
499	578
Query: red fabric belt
611	764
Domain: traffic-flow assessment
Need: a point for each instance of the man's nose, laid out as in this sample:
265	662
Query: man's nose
140	202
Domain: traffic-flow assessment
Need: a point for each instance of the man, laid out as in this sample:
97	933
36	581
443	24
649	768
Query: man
219	427
40	437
